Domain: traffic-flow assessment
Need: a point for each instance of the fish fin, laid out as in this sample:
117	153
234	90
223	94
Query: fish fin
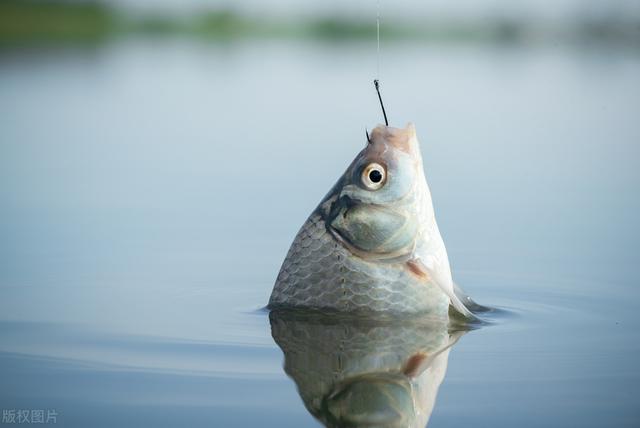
417	268
421	270
416	364
471	304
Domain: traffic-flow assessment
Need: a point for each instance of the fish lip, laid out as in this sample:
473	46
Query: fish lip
403	139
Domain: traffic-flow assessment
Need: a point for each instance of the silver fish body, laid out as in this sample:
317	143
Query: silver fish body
320	273
364	372
372	245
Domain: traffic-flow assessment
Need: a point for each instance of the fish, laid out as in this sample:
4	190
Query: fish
372	245
364	372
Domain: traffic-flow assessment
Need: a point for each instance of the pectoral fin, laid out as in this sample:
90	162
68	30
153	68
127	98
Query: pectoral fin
471	304
416	364
420	269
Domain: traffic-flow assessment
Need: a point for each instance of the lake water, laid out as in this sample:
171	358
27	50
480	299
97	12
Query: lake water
150	189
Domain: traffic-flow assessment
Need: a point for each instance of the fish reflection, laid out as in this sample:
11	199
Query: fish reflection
354	372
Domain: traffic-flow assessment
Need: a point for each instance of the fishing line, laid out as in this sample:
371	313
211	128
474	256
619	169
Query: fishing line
376	81
378	39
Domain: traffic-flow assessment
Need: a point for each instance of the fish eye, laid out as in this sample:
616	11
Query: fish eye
373	176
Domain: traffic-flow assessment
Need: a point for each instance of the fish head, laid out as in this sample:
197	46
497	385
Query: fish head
376	208
372	400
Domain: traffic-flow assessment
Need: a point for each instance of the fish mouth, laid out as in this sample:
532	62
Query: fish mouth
403	139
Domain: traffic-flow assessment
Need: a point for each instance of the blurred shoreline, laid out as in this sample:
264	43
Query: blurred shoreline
25	23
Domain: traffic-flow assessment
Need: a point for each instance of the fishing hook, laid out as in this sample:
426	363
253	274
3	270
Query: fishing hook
376	83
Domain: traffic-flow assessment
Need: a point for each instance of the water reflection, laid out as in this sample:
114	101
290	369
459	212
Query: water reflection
365	373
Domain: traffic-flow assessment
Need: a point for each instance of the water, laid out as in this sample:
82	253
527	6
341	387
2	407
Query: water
150	190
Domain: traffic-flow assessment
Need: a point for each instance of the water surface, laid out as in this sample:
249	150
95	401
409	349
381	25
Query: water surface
149	192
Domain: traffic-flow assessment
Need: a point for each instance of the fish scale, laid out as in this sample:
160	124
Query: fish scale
320	273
